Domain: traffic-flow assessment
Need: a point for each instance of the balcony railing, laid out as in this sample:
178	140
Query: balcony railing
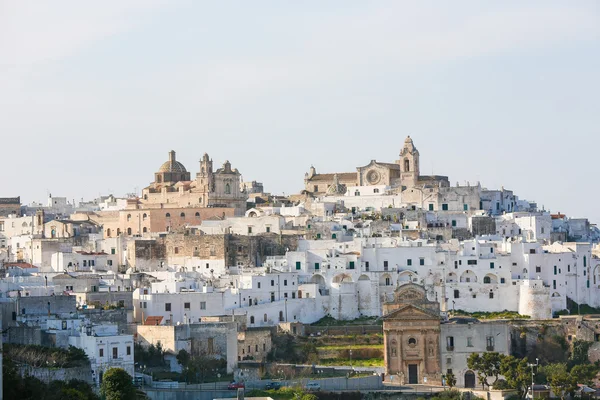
450	348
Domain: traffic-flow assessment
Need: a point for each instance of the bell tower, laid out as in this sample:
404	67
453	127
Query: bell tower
205	176
409	163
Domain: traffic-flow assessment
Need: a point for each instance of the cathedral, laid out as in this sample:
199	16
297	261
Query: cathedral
399	176
211	188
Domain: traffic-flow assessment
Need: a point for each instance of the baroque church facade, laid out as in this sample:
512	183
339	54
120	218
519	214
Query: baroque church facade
173	185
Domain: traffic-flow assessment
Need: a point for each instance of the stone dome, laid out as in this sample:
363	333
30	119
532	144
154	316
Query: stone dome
172	165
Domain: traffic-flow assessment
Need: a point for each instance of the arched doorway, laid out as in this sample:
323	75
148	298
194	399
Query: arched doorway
469	379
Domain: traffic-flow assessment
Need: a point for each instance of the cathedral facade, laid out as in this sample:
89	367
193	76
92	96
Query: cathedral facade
400	175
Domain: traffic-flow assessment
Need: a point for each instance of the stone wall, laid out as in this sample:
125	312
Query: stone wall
47	375
255	343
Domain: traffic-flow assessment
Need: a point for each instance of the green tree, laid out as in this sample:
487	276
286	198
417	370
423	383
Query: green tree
486	365
517	374
450	379
117	384
562	384
584	373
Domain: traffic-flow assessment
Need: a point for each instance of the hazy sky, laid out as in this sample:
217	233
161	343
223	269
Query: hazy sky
94	94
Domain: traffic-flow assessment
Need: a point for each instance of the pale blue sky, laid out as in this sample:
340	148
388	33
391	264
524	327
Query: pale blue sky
94	95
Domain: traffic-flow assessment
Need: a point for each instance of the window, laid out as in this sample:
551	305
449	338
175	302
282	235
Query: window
168	215
285	282
385	265
167	306
113	251
454	222
176	250
115	352
412	341
471	262
182	215
555	270
584	261
456	294
366	265
387	281
298	265
197	215
489	343
268	229
491	295
491	265
255	347
144	230
486	279
249	229
444	207
252	319
128	350
421	261
265	318
465	207
128	217
450	343
315	189
186	306
227	188
554	284
351	265
409	262
272	297
538	269
272	282
317	266
430	207
101	352
293	295
203	305
502	280
469	342
531	251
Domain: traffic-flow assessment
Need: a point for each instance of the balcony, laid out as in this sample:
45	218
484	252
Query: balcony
450	348
489	348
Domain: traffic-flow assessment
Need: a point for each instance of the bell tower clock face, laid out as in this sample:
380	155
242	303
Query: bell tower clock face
373	177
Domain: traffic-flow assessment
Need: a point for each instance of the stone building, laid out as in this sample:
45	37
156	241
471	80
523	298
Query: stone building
402	174
10	206
211	188
411	333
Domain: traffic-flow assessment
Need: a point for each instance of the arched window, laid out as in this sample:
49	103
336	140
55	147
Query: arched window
145	230
197	214
227	188
128	217
108	232
129	231
265	318
118	231
252	319
406	165
412	342
144	216
168	215
182	215
145	197
487	279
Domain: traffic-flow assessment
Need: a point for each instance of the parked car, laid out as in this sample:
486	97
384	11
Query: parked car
236	385
313	386
273	385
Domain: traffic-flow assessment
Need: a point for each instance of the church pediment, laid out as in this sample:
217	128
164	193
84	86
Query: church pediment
412	312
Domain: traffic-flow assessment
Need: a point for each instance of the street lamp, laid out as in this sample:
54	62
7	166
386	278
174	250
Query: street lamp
537	362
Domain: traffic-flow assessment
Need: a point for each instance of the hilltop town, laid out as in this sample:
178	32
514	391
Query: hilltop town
202	276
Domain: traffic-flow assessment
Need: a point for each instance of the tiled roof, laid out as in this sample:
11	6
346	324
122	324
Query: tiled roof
153	320
343	176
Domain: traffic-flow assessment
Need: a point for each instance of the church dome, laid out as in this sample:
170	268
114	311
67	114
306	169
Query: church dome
172	165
